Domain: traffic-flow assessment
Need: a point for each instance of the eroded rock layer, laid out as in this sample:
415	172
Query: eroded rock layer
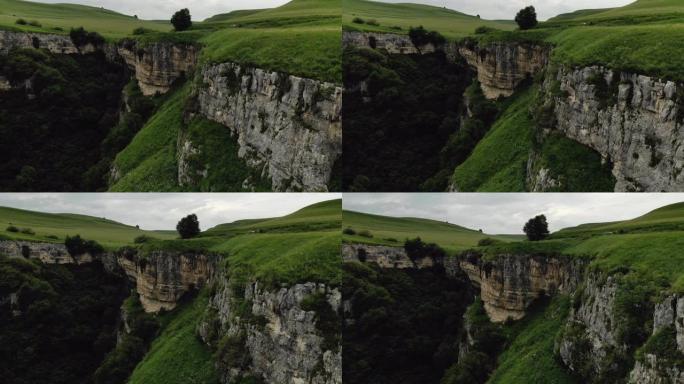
282	340
287	126
509	284
632	120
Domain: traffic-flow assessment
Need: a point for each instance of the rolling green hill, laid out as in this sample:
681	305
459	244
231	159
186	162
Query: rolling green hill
397	18
639	8
59	18
107	232
394	230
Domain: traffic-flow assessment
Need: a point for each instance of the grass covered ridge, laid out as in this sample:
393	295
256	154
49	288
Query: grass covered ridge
393	231
53	227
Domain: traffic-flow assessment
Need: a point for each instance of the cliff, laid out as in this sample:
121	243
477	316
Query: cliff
47	253
161	278
288	127
158	65
271	335
600	338
502	66
509	284
390	42
632	120
60	44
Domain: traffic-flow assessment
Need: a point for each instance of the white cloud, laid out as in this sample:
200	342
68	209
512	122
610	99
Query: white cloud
163	9
163	210
506	9
507	212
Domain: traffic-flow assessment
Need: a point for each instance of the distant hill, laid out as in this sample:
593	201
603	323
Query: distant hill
53	227
59	18
394	230
398	18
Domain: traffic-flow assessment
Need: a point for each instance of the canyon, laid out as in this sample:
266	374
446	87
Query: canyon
288	128
287	345
631	119
594	342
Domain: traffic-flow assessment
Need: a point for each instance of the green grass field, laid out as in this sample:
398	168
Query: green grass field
398	18
109	233
179	348
451	237
65	16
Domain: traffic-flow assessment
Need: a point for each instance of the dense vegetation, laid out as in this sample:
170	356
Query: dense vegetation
393	128
62	324
52	128
405	324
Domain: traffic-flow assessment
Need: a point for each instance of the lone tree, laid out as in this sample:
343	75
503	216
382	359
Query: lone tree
181	20
537	228
526	18
188	226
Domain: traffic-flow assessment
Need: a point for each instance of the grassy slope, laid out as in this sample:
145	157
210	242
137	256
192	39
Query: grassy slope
302	37
178	347
529	358
449	236
65	16
107	232
450	23
496	167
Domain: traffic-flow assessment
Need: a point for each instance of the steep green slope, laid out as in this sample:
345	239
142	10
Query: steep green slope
59	18
177	355
638	8
529	357
393	231
53	227
398	18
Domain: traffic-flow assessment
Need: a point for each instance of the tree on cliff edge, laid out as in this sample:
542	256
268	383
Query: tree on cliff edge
188	226
526	18
537	228
181	20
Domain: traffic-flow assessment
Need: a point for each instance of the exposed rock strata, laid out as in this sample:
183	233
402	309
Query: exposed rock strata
163	277
510	283
632	120
287	126
390	42
158	65
502	66
47	253
60	44
285	346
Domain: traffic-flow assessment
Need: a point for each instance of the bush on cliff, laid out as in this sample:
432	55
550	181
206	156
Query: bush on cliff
79	246
416	248
188	227
526	18
420	36
181	20
536	228
80	37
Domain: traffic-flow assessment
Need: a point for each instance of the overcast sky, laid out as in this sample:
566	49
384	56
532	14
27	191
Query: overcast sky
506	213
163	9
506	9
163	210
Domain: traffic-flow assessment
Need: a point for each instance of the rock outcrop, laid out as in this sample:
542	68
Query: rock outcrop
390	42
634	121
502	66
162	277
281	341
287	126
385	256
60	44
158	65
47	253
510	283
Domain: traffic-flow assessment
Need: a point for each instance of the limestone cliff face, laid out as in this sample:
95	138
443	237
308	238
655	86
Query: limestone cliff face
502	66
634	121
47	253
158	65
287	126
60	44
383	256
510	283
163	277
390	42
280	338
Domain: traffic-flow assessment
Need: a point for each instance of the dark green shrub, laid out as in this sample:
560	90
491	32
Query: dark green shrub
484	29
20	22
372	22
35	23
349	231
536	228
79	246
142	239
188	226
327	321
181	20
231	351
420	36
27	231
12	228
526	18
358	20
